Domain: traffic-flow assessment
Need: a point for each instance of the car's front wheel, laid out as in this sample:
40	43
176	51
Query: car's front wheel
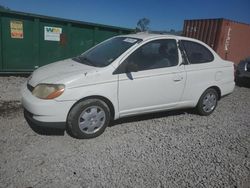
207	102
88	118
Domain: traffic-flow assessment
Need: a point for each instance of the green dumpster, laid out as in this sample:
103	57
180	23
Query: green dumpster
29	41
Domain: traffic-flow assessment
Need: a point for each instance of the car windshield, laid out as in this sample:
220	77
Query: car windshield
105	53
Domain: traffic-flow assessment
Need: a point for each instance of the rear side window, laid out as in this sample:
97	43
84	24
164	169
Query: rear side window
197	53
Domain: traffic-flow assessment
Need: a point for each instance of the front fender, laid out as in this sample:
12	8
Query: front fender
107	90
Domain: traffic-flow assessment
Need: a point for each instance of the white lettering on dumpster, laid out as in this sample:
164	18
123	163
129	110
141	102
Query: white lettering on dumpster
227	42
52	33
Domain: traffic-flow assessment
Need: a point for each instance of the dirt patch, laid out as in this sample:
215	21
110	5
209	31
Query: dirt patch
9	108
10	87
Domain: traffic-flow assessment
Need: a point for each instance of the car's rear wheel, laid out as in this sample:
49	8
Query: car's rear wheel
207	102
88	118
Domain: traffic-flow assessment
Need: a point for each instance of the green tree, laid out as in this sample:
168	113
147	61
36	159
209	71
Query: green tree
4	8
143	24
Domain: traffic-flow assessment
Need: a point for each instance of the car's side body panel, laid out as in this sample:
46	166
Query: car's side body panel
97	83
202	76
149	90
106	90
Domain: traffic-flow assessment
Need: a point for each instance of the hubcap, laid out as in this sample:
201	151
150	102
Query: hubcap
209	102
91	119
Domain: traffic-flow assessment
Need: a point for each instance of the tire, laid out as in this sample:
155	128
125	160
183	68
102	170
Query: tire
238	80
207	102
88	119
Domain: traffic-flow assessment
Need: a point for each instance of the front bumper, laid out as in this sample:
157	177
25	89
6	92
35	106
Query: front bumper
29	118
48	113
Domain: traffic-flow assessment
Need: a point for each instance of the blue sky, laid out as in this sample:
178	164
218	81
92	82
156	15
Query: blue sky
164	15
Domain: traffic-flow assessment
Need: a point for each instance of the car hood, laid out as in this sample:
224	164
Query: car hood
60	72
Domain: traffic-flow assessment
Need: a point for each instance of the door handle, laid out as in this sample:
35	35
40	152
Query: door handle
177	78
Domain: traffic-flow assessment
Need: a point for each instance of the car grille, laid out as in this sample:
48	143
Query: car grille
30	88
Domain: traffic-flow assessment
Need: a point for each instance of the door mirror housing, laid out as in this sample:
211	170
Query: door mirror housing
131	67
126	67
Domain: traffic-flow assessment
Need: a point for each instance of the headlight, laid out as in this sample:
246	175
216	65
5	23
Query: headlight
48	91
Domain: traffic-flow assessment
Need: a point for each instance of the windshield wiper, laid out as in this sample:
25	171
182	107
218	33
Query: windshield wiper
84	60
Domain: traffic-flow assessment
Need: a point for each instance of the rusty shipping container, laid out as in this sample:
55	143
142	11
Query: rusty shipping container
230	39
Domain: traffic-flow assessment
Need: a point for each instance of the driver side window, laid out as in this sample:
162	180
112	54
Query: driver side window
153	55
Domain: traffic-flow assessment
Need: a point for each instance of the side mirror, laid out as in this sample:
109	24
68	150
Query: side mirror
131	67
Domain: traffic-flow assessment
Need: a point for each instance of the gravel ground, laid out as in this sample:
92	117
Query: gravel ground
170	149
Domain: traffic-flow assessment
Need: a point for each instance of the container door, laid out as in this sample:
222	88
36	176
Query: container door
17	44
53	41
81	39
101	35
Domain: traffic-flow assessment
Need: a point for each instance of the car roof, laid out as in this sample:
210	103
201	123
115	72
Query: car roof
148	36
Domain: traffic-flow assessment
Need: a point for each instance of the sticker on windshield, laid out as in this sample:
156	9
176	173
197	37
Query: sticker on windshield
130	40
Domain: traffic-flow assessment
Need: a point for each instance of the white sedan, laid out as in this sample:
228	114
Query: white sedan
124	76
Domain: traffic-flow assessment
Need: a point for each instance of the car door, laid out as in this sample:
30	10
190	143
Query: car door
202	70
151	78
